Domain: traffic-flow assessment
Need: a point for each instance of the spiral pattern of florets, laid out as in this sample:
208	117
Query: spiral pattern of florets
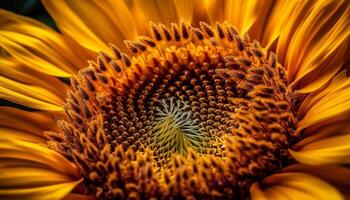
196	113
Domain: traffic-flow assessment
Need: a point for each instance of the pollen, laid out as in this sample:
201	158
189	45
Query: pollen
176	131
196	113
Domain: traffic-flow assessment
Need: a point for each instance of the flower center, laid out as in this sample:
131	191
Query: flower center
195	112
175	130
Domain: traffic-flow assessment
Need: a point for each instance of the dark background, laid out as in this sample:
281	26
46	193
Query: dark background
30	8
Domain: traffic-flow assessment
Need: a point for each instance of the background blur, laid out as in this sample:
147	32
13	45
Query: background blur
30	8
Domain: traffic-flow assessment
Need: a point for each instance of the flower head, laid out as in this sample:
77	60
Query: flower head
253	106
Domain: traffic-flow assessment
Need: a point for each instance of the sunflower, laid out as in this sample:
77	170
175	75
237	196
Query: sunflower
177	100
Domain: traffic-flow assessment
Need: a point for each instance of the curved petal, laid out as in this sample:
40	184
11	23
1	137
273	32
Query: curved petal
241	14
27	152
30	177
16	71
119	13
31	171
56	191
322	75
37	45
281	193
93	31
310	42
337	83
301	11
256	193
24	125
292	185
32	91
317	133
329	103
21	135
184	9
33	102
275	19
339	176
25	86
325	151
263	20
212	8
34	122
157	11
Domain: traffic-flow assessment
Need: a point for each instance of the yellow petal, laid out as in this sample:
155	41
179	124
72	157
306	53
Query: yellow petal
337	83
27	152
119	13
241	14
281	193
157	11
31	171
184	9
299	186
16	71
88	22
213	8
276	17
319	77
25	125
256	193
339	176
31	90
21	135
329	104
326	151
30	177
29	95
330	142
37	45
300	12
328	52
323	131
34	122
310	41
57	191
28	101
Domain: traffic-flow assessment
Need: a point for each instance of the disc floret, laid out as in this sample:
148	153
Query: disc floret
196	112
